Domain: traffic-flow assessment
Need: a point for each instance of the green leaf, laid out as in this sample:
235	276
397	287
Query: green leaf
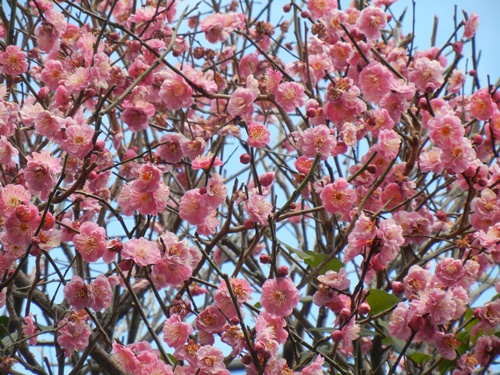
322	329
315	259
419	357
446	365
4	323
380	300
257	305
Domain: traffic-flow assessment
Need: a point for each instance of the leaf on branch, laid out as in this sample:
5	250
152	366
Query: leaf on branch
380	300
315	259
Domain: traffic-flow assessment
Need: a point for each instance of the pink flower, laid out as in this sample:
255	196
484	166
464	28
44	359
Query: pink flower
446	131
447	345
210	320
157	367
149	178
137	115
217	27
147	203
242	291
426	73
439	304
74	333
398	323
193	147
241	103
316	368
389	142
176	332
487	349
456	81
78	294
77	80
258	135
30	329
191	208
78	141
102	293
13	61
175	92
375	81
471	26
314	140
416	282
279	296
481	105
337	198
125	357
290	95
450	271
171	150
210	360
317	8
170	272
91	242
258	209
141	251
459	157
371	21
11	197
206	162
40	173
7	150
430	161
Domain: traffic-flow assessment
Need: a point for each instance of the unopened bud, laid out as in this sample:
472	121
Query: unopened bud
345	313
457	46
364	308
245	158
265	259
311	112
266	179
304	14
283	271
472	72
477	139
337	336
49	221
99	145
287	8
398	287
248	224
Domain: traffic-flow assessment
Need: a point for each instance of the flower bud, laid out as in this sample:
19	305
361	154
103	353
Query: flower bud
265	259
364	308
337	336
345	313
311	112
457	46
99	145
287	8
266	179
477	139
283	271
398	287
245	158
472	72
49	221
248	224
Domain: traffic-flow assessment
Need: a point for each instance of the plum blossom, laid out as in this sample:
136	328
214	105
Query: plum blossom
337	197
13	61
279	296
141	251
290	95
371	21
91	241
176	332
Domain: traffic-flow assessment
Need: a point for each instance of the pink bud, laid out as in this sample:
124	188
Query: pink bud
92	175
423	104
364	308
235	321
477	139
43	92
265	259
246	359
266	179
304	14
287	8
283	271
337	336
100	144
472	72
430	87
345	313
311	112
377	264
457	46
49	221
248	224
441	216
245	158
115	245
126	265
398	287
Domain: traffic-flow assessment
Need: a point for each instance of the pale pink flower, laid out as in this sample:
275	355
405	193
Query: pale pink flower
481	105
30	329
241	103
7	151
209	225
314	140
40	173
13	61
48	124
279	296
446	131
175	92
447	345
91	241
430	161
290	95
389	142
272	80
176	332
336	280
375	81
193	148
456	81
317	8
439	304
471	26
416	282
148	203
216	191
371	21
242	291
258	135
77	80
125	357
170	272
210	361
157	367
338	198
217	27
450	271
191	208
11	197
101	292
273	324
141	251
258	209
350	332
206	162
398	323
78	141
74	334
